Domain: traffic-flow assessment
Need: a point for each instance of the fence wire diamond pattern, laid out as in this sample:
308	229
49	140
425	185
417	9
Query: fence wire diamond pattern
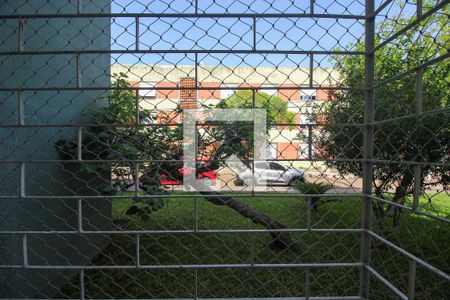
355	176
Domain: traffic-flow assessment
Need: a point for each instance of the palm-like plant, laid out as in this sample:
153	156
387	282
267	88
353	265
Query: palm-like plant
313	189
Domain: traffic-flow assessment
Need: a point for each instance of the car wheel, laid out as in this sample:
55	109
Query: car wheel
238	182
249	181
296	180
207	181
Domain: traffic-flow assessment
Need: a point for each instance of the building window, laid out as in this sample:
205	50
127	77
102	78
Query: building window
308	96
147	93
224	94
271	91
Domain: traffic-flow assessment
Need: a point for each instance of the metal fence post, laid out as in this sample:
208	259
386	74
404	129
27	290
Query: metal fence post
368	146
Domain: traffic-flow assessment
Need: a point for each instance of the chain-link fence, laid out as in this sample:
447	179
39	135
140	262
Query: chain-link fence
347	199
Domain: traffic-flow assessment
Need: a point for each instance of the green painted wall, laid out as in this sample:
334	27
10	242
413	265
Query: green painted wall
37	143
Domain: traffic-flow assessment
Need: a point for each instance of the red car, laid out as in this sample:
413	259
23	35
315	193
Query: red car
178	179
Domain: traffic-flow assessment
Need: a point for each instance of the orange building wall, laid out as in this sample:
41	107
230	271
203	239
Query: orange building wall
251	84
134	83
214	93
167	93
323	94
289	94
288	150
167	117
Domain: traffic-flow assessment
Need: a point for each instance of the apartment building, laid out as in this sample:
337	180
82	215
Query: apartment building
164	88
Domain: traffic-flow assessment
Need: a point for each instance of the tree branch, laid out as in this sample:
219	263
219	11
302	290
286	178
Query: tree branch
280	239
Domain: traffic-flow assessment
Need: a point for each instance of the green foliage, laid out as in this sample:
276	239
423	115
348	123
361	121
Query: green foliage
144	208
424	138
113	134
237	138
276	108
417	234
313	187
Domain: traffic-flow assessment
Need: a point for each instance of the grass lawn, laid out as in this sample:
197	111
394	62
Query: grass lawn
422	236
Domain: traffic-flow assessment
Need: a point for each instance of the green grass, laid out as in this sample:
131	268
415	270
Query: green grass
420	235
433	203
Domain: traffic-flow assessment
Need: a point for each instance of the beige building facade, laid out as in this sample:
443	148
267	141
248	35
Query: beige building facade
165	88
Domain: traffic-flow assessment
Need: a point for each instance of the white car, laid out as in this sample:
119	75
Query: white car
270	173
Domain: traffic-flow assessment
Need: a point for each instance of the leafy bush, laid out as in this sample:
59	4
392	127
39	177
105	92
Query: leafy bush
313	188
114	135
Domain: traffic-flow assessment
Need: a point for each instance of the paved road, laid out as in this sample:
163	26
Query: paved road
226	183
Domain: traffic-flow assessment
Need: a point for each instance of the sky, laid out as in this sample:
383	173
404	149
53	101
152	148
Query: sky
178	33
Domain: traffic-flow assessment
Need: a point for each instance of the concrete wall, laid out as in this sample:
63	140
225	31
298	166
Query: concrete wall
228	75
38	143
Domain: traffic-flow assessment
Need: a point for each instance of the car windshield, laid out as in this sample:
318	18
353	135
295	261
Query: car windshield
275	166
260	165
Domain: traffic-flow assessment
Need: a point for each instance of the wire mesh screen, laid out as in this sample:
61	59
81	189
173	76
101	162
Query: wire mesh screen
346	197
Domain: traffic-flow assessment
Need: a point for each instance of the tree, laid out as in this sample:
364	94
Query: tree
113	134
237	138
276	108
220	140
424	138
